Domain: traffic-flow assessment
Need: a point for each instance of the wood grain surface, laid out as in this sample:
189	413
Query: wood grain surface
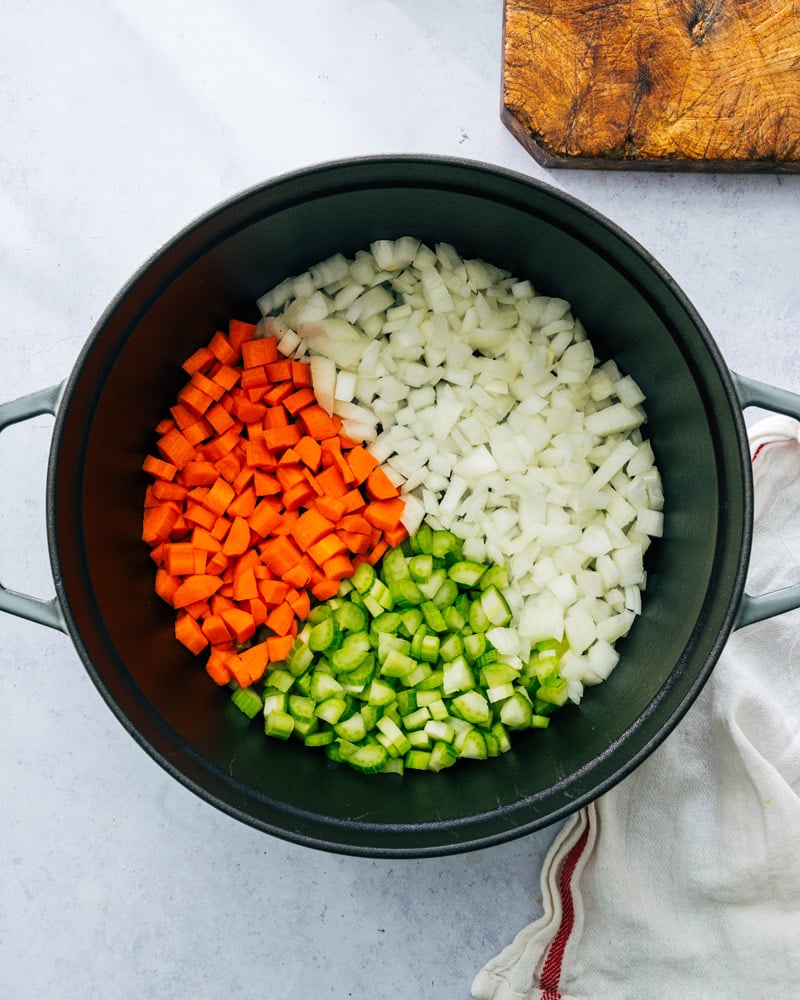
670	84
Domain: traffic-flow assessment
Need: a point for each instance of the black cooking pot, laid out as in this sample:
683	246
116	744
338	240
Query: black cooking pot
128	373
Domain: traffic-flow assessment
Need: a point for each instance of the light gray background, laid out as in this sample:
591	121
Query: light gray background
119	123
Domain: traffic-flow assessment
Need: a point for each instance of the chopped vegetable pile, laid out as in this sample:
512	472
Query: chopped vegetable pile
407	511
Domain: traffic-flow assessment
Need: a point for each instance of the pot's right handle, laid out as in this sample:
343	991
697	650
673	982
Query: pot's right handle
768	397
32	608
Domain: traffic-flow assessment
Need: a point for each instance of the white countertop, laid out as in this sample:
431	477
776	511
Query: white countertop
119	123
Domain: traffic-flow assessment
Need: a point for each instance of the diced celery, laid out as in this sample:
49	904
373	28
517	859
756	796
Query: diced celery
474	745
331	709
442	755
418	760
369	759
466	573
247	701
516	711
279	724
451	646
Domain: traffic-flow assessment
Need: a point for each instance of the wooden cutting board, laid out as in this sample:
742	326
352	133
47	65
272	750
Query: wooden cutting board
654	84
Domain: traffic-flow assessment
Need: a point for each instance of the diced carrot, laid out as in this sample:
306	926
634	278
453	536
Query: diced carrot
218	563
282	437
198	432
300	603
163	490
280	618
238	538
258	610
208	385
259	455
265	518
355	542
339	567
243	504
166	585
217	668
198	587
239	622
188	632
265	485
223	444
158	522
243	480
227	376
279	371
377	552
275	416
239	671
297	495
309	452
179	558
326	548
219	418
299	400
220	528
228	466
379	486
263	351
215	630
395	536
182	415
280	554
197	514
246	410
279	647
245	587
310	527
301	373
255	660
289	475
331	481
325	589
289	457
278	392
199	473
331	507
273	591
239	331
158	468
355	522
298	576
361	462
165	426
195	399
254	378
384	514
317	423
201	360
175	448
222	349
219	496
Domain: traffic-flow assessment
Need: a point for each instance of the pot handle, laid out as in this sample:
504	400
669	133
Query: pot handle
32	608
769	397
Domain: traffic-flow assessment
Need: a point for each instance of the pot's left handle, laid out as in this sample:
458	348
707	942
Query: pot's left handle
32	608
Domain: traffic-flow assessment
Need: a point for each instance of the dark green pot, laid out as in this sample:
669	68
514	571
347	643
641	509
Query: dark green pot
127	376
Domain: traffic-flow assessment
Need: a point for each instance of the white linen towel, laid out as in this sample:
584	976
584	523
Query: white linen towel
683	881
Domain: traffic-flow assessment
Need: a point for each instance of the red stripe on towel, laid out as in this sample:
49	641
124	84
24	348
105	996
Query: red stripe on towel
551	970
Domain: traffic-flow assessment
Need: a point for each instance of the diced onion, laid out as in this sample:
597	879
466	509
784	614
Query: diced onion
485	404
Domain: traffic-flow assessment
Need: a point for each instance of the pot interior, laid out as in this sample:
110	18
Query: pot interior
129	373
